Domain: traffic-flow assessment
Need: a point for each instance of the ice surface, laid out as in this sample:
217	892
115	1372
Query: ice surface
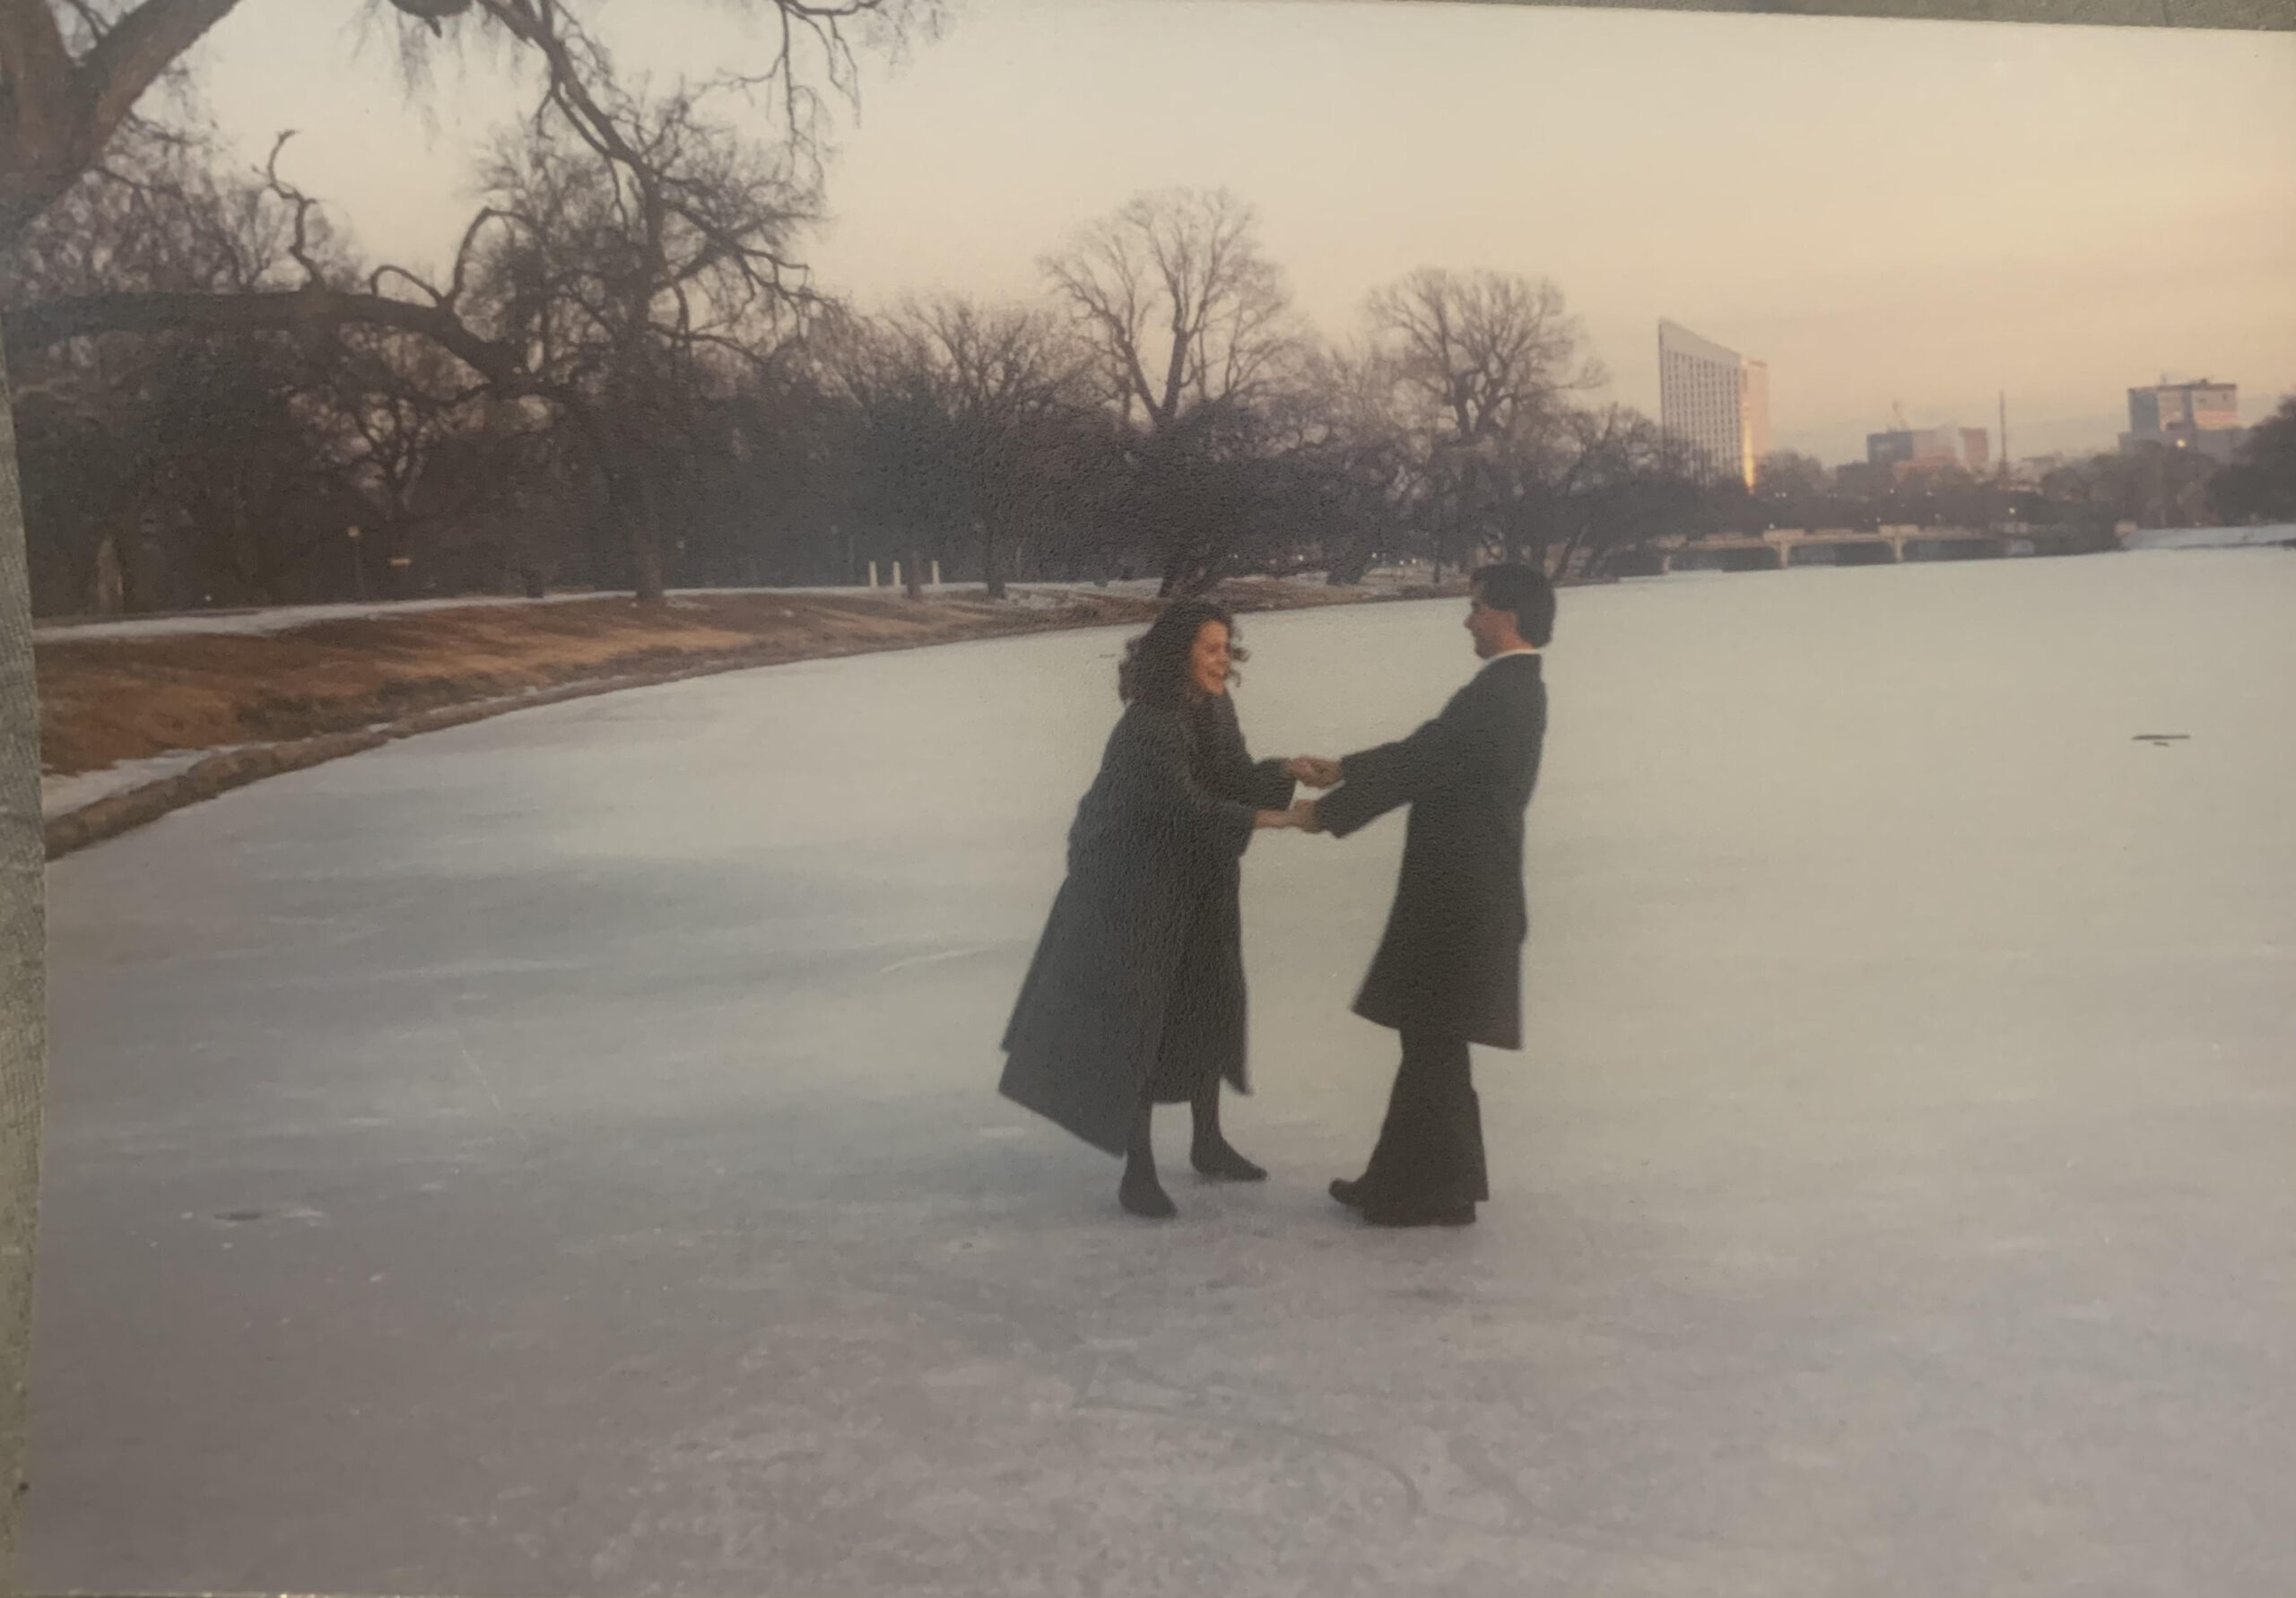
559	1155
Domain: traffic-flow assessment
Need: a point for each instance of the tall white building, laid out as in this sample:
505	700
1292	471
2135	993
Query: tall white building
1714	400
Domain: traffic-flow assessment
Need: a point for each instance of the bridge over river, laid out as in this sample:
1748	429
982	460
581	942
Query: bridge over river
1781	547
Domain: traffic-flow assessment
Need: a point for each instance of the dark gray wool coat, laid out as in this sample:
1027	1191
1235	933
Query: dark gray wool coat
1137	987
1451	963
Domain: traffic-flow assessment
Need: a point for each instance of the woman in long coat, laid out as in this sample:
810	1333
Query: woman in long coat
1135	997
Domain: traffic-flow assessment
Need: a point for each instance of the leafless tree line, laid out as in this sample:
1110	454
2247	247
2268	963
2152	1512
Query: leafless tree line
627	377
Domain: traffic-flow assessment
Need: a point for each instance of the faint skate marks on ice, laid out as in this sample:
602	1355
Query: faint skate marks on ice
931	959
1599	1534
1105	1375
1121	1383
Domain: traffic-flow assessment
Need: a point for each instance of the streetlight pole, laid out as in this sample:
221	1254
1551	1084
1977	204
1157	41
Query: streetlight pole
358	567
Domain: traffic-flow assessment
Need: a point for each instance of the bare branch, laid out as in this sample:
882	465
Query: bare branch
132	55
299	250
313	308
1188	264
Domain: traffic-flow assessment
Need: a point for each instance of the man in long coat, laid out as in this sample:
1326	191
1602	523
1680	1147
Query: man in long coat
1449	972
1138	981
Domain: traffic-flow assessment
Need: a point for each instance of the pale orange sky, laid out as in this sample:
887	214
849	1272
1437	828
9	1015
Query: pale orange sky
1884	211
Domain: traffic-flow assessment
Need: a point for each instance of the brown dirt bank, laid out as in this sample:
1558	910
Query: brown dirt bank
279	701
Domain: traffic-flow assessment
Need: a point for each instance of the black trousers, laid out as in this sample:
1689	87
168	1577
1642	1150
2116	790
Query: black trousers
1430	1152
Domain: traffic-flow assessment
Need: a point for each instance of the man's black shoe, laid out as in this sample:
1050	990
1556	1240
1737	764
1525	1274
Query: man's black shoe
1348	1191
1419	1214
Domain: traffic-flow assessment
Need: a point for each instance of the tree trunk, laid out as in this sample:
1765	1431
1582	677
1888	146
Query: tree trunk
992	559
111	583
627	492
23	1009
1352	561
59	113
649	587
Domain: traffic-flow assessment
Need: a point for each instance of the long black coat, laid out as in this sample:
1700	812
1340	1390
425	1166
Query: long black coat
1138	982
1451	963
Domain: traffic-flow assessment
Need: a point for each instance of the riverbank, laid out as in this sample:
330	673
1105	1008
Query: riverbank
142	716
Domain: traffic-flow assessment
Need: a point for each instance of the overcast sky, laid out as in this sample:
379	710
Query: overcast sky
1917	213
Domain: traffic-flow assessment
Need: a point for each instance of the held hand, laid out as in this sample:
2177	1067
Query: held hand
1313	770
1303	816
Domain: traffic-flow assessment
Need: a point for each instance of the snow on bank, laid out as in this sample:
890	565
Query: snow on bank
61	795
251	623
2211	538
277	619
254	623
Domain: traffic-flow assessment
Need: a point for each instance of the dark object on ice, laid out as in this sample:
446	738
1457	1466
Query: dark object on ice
1396	1214
2161	738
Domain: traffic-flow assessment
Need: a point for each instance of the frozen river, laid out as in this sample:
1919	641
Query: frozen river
559	1156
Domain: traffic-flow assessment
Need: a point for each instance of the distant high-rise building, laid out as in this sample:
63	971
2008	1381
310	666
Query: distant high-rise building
2205	416
1714	400
1905	450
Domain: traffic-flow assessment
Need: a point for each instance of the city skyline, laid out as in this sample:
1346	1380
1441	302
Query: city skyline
1649	163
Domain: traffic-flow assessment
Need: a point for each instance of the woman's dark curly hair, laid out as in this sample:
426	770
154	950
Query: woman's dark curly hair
1155	663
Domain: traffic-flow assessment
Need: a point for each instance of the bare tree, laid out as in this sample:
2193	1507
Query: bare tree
2260	483
706	223
956	407
1624	482
1193	333
1487	363
2151	485
72	70
1343	429
1790	489
1009	378
1487	352
1180	303
72	76
1787	473
131	436
637	252
397	408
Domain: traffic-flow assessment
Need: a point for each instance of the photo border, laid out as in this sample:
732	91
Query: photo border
23	1018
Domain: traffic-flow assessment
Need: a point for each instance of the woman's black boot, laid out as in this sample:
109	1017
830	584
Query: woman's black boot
1210	1152
1140	1191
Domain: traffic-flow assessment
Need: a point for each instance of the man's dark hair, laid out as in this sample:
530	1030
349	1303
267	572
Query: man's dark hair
1155	663
1511	586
